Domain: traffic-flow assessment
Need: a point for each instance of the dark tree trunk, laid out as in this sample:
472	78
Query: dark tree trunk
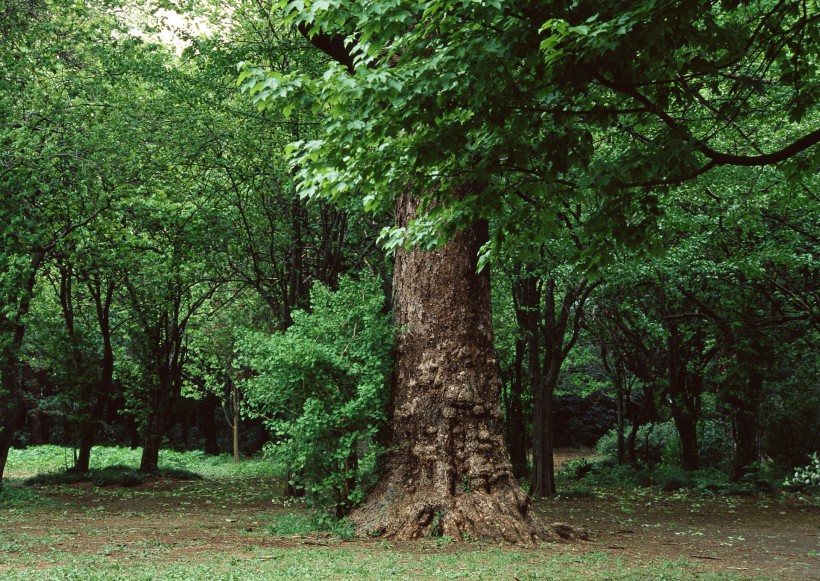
151	444
38	428
526	297
542	480
5	446
516	433
134	437
685	388
234	419
559	329
87	438
13	418
448	470
747	425
688	433
632	444
161	412
620	396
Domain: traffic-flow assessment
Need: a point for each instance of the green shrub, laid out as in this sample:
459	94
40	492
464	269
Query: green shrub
321	388
660	444
714	444
576	492
806	478
301	523
577	469
654	442
671	478
607	473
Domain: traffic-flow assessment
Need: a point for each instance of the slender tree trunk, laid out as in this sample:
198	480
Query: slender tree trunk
5	446
747	426
38	429
448	470
542	480
90	429
621	424
516	434
155	428
235	422
87	433
632	444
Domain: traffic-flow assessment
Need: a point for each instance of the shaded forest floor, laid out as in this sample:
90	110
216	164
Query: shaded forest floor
238	528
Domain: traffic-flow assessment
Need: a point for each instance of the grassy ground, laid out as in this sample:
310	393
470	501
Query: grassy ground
233	524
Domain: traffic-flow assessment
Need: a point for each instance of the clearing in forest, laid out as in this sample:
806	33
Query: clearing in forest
226	527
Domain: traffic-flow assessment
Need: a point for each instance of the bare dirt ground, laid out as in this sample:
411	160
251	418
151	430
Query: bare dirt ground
771	537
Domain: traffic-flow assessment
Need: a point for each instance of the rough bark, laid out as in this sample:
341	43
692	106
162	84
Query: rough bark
448	471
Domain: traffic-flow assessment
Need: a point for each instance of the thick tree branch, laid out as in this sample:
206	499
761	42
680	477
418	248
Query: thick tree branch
333	45
716	157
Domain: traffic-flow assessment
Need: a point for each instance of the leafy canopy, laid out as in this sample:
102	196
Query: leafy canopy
545	102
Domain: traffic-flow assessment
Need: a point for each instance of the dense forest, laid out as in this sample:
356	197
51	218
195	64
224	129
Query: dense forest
406	249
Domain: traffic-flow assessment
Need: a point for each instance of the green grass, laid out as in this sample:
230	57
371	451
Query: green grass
117	475
304	523
372	563
45	554
14	497
39	460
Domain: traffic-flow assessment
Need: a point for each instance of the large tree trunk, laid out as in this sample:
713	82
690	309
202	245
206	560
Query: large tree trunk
448	471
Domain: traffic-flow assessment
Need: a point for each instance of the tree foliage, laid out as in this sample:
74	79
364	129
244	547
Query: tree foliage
321	387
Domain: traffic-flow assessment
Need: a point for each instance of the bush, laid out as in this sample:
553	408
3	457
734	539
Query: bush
577	469
806	478
660	443
301	523
653	443
321	388
607	473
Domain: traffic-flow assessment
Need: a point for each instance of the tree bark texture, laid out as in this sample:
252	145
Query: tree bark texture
448	471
